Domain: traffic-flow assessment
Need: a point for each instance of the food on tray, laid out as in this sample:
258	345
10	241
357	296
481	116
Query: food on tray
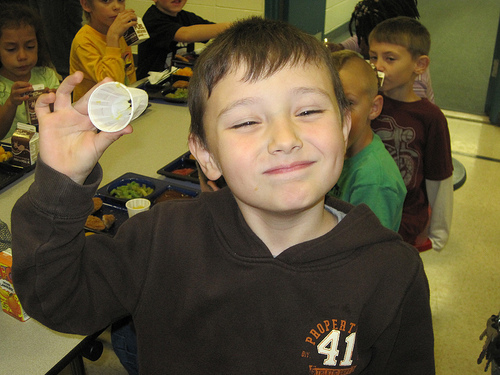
180	84
183	171
181	58
4	155
97	204
187	71
108	220
178	94
131	190
95	223
171	194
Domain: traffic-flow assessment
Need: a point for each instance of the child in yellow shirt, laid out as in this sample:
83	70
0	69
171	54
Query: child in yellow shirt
99	49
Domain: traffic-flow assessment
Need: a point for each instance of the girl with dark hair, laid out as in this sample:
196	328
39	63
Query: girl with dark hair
24	62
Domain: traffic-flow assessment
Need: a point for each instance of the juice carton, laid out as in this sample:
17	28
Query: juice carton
137	34
30	103
8	297
25	145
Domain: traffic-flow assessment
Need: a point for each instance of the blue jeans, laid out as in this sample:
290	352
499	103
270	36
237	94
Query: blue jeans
124	341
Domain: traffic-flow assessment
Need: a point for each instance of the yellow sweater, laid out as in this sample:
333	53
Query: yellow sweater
91	55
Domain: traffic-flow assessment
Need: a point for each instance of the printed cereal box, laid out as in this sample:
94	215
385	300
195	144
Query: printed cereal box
8	297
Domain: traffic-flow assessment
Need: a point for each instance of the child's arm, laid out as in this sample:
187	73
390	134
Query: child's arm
68	140
199	33
440	194
8	109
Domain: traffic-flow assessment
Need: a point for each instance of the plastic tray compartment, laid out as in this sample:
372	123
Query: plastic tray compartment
183	164
105	192
176	191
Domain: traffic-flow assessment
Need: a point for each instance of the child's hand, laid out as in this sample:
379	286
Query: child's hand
18	93
69	142
122	23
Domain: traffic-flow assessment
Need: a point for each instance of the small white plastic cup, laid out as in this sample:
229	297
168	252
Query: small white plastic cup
136	205
112	106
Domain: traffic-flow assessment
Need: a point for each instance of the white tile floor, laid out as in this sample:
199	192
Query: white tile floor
464	277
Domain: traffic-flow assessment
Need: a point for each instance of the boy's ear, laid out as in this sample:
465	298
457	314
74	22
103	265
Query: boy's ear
422	64
205	159
85	6
377	104
346	127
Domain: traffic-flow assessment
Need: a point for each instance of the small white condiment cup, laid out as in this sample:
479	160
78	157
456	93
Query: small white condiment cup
136	205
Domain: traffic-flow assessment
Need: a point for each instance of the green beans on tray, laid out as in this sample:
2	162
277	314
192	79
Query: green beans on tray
131	190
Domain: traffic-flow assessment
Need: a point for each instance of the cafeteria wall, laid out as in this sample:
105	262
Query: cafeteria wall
213	10
337	12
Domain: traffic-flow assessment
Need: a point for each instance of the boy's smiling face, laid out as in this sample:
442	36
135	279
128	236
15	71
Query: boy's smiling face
279	141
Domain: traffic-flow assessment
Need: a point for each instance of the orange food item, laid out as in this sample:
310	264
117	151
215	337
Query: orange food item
180	84
97	204
187	71
93	222
183	171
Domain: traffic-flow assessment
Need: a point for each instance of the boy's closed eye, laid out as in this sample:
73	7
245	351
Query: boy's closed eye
244	124
310	112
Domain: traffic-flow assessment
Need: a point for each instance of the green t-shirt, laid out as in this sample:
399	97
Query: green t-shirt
39	75
372	177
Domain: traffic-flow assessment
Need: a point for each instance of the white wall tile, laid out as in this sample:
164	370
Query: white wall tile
337	13
252	5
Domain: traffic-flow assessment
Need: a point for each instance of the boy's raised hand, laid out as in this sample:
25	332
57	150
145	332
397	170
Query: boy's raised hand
69	143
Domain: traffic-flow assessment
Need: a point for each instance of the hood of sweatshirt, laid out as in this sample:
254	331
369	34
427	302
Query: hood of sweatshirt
360	228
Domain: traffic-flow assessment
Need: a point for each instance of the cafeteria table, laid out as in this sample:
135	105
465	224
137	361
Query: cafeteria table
159	136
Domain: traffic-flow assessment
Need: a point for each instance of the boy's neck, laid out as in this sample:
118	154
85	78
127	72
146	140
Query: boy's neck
282	231
403	93
364	140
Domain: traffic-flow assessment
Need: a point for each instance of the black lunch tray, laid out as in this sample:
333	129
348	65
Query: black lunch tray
183	161
159	91
116	206
10	172
160	186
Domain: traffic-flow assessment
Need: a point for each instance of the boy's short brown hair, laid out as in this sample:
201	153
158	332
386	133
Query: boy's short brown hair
403	31
264	47
341	58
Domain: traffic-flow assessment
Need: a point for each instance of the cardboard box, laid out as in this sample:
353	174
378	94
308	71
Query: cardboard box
8	296
30	103
25	145
137	34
